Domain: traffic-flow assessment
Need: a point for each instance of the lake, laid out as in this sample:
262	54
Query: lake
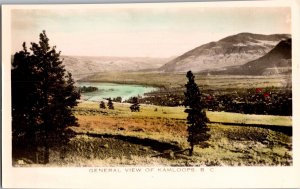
113	90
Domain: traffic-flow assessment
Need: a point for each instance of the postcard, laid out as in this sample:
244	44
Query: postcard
151	95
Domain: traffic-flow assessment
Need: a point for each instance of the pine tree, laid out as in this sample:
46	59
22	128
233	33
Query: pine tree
110	104
43	95
197	129
135	107
102	105
24	95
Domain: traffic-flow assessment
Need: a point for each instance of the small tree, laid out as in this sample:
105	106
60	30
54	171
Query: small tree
135	107
110	104
197	129
102	105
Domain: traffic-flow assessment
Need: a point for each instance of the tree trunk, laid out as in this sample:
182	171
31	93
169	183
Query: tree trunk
35	148
191	150
46	153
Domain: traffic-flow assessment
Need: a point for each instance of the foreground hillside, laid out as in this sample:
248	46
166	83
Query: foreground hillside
233	50
157	136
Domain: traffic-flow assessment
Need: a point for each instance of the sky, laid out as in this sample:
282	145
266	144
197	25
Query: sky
142	31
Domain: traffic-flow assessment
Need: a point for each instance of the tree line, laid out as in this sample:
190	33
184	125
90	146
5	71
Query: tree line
135	107
88	89
267	101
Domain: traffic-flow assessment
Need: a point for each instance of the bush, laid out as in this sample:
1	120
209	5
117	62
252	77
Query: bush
135	107
117	99
110	104
85	89
102	105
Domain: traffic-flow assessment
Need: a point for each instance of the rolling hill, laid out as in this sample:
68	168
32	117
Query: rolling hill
231	51
83	66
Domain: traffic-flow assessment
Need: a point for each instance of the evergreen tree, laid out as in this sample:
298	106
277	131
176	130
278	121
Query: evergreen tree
117	99
197	129
102	105
110	104
135	107
43	95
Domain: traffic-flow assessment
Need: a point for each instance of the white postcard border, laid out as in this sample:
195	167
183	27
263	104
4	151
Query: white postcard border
211	177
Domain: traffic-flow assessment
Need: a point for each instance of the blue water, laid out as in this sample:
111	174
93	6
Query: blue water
113	90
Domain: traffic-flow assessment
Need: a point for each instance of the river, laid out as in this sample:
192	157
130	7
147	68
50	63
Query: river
113	90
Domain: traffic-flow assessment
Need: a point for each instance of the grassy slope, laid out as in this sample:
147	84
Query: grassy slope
229	145
237	118
158	122
152	111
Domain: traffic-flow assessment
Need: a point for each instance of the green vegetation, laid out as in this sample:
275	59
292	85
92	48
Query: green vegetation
89	89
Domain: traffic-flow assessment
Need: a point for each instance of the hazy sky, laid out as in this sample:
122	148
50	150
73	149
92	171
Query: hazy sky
142	31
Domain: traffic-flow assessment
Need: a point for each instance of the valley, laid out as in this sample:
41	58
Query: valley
156	135
246	90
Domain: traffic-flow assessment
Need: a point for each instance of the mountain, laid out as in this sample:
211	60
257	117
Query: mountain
277	61
82	66
233	50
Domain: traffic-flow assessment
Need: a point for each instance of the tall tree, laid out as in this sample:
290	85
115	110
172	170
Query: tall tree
197	129
43	95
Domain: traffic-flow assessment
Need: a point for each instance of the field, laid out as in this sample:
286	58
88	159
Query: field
157	135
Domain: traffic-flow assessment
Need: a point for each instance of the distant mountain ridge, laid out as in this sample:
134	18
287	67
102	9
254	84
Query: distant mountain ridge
234	50
277	61
82	66
230	55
